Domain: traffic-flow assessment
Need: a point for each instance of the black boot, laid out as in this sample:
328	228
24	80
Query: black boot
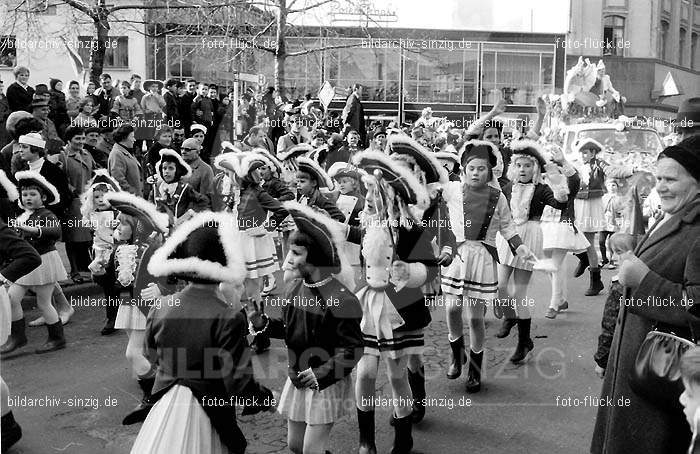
506	326
139	413
11	431
111	316
525	344
459	356
403	441
582	263
474	377
417	382
55	341
596	285
365	419
17	337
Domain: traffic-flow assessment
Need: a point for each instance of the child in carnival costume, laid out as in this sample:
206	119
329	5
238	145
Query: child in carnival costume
102	219
140	231
319	390
215	364
424	165
399	260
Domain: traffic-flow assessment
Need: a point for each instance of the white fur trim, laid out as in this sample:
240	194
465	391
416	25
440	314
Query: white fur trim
299	150
443	176
33	138
30	174
276	163
338	237
327	180
422	198
476	142
104	173
581	142
447	156
176	155
226	145
417	275
8	186
247	159
230	237
517	145
229	161
161	220
198	127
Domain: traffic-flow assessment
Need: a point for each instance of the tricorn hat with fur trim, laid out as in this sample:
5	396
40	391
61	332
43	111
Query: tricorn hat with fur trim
325	233
272	161
229	161
588	143
102	177
170	155
31	178
205	248
343	169
478	149
296	151
139	208
529	148
448	157
424	158
405	184
312	168
8	190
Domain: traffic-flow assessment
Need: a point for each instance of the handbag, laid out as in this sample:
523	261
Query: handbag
657	368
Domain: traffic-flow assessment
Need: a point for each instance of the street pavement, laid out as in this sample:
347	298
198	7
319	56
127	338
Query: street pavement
89	388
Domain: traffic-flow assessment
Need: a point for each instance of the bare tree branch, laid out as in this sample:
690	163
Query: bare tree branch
320	49
306	8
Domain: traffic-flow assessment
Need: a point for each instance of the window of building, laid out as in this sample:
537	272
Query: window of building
116	52
441	75
613	35
8	51
663	35
681	49
694	51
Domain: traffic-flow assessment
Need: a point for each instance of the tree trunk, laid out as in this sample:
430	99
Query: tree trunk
97	53
281	49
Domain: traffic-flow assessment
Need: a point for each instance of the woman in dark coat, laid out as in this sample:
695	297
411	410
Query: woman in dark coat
19	94
665	265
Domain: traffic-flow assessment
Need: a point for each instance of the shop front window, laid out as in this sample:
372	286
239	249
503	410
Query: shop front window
441	76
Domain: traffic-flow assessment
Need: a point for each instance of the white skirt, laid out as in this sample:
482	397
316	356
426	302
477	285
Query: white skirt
177	424
130	317
590	214
472	273
317	407
531	235
260	254
561	235
50	271
5	315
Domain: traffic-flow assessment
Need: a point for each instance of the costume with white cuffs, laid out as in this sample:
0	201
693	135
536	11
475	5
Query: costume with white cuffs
394	309
527	203
476	215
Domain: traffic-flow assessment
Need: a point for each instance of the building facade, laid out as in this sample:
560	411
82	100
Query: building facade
643	44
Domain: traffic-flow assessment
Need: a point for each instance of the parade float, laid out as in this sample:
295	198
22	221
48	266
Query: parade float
590	106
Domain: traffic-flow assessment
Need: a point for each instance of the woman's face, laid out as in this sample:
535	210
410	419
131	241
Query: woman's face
129	141
25	153
23	77
525	170
59	86
165	139
87	108
674	185
477	173
74	90
199	136
492	135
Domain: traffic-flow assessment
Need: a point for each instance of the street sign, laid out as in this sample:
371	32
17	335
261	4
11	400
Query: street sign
235	76
326	94
262	80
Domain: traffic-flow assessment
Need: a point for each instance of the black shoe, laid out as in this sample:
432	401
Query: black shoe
365	420
108	328
525	345
459	357
417	382
506	326
11	431
582	264
17	337
139	413
596	285
55	341
474	377
403	440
